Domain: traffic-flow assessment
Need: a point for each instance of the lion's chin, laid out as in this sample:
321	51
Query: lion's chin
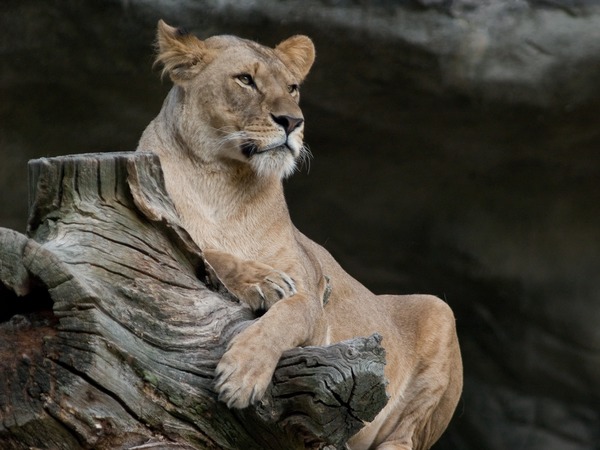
278	161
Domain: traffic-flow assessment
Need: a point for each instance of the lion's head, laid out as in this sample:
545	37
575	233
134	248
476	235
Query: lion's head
236	101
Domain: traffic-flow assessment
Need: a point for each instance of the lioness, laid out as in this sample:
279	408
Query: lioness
229	131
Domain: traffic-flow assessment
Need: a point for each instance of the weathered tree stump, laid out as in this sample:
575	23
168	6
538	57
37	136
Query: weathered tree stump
112	323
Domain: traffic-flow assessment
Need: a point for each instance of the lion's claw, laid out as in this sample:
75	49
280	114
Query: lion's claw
265	290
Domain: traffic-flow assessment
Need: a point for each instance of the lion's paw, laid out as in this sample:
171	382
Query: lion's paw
260	286
245	370
256	284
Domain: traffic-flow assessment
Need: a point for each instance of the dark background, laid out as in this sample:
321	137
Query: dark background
456	152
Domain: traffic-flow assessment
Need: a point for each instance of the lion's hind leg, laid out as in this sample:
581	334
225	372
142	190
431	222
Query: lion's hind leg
424	370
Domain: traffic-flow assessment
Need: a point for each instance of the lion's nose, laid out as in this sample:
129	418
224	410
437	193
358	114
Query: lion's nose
288	123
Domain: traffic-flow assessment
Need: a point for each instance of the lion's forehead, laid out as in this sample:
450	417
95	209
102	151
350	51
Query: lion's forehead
239	54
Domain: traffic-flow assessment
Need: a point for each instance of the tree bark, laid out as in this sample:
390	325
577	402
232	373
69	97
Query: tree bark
112	323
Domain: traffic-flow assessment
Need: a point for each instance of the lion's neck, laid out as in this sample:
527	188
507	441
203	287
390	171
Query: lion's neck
225	209
223	205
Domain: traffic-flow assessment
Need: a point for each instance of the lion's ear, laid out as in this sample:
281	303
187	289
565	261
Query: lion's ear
298	53
181	54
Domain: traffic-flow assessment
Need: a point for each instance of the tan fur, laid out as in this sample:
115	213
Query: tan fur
228	132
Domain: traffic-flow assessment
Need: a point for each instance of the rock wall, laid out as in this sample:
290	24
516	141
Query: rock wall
455	152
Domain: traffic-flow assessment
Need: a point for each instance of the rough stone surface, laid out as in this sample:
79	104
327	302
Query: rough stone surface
455	152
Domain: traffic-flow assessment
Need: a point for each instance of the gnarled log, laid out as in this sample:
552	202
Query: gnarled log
111	325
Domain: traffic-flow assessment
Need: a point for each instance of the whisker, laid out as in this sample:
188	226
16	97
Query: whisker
304	158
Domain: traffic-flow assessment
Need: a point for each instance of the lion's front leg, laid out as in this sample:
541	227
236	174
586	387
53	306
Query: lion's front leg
246	368
256	284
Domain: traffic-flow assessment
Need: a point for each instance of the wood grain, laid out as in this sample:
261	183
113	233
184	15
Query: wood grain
112	325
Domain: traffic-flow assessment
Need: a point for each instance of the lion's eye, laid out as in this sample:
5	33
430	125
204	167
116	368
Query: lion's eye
293	88
246	79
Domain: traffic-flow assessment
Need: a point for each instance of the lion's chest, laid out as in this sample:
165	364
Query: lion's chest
208	234
244	237
250	226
